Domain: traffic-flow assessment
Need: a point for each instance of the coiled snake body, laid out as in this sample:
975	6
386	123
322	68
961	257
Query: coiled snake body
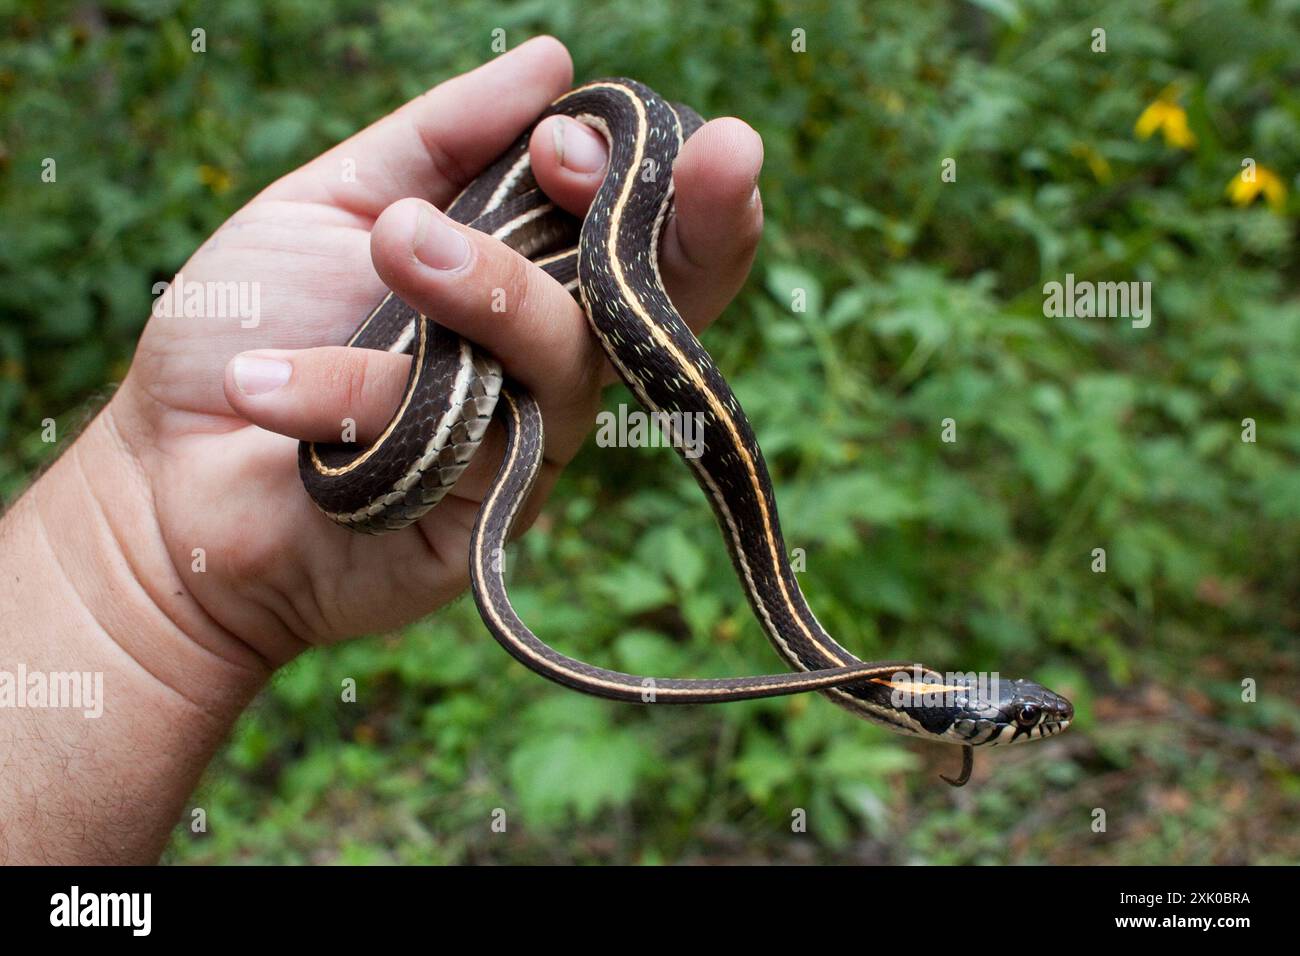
453	391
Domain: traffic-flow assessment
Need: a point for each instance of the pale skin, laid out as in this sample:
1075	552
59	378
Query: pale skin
197	450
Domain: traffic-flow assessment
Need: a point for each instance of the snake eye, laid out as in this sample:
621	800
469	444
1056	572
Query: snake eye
1027	715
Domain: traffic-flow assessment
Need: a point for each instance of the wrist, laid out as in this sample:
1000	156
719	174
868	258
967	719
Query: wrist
96	513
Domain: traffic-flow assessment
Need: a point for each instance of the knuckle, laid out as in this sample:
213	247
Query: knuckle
346	382
500	284
516	277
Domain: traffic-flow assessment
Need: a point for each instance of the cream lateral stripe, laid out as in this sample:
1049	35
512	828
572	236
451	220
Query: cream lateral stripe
554	257
662	217
720	411
505	229
402	341
508	182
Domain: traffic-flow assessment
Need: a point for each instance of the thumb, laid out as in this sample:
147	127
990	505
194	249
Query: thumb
314	394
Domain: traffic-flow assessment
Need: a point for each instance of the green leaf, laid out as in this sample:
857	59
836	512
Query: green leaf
275	138
578	775
763	769
669	551
789	283
648	653
634	588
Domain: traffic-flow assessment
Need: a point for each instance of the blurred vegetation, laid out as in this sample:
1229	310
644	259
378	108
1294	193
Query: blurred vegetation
925	302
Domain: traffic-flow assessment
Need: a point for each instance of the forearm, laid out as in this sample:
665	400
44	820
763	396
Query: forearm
87	589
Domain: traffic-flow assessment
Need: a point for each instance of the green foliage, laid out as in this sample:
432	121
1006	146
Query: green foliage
923	301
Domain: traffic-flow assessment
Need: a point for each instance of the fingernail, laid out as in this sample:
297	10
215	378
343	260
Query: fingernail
437	244
257	375
579	148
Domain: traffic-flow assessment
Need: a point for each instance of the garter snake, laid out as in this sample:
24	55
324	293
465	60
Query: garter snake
610	261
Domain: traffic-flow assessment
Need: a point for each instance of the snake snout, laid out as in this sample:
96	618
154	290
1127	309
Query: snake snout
1066	711
1056	712
1030	711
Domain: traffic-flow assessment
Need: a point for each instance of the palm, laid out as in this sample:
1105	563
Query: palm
232	489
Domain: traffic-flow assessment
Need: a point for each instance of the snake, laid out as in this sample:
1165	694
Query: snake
609	261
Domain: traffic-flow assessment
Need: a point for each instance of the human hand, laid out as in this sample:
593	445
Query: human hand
215	442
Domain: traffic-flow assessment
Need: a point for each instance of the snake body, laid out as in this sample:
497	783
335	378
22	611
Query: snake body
613	268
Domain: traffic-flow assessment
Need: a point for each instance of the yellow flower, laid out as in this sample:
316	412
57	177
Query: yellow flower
218	180
1166	115
1253	180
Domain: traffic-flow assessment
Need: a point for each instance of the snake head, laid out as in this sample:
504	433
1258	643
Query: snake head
1008	712
970	708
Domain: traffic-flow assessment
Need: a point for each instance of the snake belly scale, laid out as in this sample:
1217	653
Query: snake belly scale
610	261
